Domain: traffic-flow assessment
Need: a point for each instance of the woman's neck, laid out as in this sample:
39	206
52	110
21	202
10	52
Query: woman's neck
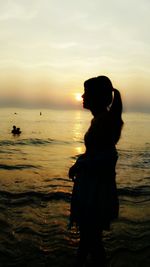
98	112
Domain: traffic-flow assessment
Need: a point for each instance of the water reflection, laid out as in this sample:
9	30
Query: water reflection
78	127
79	149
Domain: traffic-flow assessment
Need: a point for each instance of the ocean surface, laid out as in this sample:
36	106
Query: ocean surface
35	189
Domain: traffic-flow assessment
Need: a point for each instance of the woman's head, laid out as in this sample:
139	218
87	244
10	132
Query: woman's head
97	94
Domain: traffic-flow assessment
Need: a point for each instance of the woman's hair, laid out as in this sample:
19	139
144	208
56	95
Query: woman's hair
105	96
99	90
116	114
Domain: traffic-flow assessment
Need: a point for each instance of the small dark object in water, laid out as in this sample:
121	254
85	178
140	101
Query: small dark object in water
15	130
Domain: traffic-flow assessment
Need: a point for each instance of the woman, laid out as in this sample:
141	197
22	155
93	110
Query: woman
94	201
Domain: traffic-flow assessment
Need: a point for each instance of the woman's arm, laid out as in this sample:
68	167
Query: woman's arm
75	168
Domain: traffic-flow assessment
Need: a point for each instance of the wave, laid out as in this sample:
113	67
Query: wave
32	197
138	197
143	190
138	159
40	239
18	167
32	142
33	226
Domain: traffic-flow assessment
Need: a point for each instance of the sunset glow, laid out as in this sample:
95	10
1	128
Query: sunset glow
78	97
49	48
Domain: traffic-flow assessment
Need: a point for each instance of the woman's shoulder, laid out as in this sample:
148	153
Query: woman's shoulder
101	120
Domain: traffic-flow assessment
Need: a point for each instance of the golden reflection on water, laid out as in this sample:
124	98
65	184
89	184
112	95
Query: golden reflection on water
79	149
49	144
77	127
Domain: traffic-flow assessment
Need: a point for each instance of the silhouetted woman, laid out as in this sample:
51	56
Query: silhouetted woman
94	203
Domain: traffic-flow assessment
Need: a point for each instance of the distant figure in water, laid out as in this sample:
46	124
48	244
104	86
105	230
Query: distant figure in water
40	113
15	130
94	203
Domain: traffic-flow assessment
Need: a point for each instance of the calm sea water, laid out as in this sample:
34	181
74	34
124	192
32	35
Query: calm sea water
35	190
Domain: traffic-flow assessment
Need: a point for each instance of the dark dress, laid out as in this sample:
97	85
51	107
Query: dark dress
94	201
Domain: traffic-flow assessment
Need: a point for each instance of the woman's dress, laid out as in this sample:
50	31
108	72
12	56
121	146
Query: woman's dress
94	196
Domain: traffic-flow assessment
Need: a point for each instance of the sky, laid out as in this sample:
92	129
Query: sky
48	48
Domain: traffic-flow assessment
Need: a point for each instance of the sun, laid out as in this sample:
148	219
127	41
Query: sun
78	97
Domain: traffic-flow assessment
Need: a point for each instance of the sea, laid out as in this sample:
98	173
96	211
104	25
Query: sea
35	190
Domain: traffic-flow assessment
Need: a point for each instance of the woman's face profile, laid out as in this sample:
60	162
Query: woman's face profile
91	100
86	99
97	94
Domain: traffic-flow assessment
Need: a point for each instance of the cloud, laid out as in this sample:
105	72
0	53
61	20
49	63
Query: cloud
22	10
64	42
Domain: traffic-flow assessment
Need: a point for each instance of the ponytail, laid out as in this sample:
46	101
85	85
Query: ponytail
116	114
116	106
